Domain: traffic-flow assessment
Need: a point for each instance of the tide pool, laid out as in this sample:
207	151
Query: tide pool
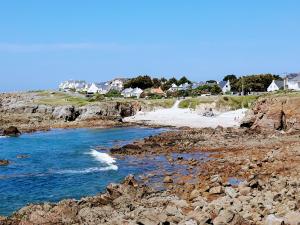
64	163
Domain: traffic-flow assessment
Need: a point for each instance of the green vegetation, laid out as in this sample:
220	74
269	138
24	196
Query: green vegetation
192	103
236	102
159	103
59	98
232	102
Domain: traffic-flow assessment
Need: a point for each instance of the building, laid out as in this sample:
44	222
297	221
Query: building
101	88
173	88
117	84
157	91
73	85
197	84
131	92
225	86
292	81
276	85
184	87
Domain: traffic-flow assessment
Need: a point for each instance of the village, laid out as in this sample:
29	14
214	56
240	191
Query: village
147	87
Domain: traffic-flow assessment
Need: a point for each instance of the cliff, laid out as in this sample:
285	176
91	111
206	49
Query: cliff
274	112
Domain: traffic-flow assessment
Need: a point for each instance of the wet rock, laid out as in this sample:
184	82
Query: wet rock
22	156
4	162
11	131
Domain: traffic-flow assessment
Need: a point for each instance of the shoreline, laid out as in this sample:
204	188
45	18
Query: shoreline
226	162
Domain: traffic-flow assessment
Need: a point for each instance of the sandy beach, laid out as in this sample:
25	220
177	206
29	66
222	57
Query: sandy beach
186	117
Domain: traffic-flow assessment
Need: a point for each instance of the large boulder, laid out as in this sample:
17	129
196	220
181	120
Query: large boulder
274	113
11	131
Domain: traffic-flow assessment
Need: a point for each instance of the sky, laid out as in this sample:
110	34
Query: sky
45	42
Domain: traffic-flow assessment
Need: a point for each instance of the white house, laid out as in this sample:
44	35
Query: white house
117	84
173	88
136	92
76	85
276	85
129	92
184	87
101	88
126	93
292	81
225	86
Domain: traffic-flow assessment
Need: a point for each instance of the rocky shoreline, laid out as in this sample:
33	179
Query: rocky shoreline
251	176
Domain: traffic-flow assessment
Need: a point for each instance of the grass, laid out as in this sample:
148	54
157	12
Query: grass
59	98
192	103
236	102
232	102
160	103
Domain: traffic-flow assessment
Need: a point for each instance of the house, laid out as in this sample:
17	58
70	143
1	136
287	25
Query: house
73	85
117	84
131	92
276	85
173	88
126	93
197	84
184	87
101	88
136	92
225	86
292	81
157	91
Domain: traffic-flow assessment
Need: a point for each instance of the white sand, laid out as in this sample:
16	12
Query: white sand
185	117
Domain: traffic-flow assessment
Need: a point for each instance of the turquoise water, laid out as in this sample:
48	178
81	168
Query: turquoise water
50	166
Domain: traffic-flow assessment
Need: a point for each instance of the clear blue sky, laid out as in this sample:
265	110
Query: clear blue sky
45	42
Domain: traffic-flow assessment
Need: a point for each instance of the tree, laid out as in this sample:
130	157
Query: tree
113	94
230	77
156	82
183	80
142	82
211	82
215	89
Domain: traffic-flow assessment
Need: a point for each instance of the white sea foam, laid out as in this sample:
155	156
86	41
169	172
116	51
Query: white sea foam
104	158
88	170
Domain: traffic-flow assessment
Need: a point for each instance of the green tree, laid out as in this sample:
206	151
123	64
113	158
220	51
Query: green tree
230	77
156	82
211	82
183	80
142	82
113	94
215	89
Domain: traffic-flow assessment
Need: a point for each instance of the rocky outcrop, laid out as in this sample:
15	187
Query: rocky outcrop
274	113
23	110
11	131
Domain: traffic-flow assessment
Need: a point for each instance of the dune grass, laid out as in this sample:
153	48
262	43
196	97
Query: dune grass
192	103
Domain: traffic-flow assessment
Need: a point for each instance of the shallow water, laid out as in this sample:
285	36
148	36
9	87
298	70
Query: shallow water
50	166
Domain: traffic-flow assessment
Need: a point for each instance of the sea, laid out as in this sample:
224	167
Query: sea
64	163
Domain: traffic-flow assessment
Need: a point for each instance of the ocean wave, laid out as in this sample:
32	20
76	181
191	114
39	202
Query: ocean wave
88	170
102	157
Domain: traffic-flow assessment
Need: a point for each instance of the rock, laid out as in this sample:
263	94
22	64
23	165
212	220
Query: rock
168	179
194	194
11	131
230	192
216	190
67	113
215	179
225	217
130	180
292	218
244	190
4	162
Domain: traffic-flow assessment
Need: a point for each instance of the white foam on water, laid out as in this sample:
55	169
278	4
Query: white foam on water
104	158
88	170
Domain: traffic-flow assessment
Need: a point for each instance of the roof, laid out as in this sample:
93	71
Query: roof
279	83
222	83
102	86
293	76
